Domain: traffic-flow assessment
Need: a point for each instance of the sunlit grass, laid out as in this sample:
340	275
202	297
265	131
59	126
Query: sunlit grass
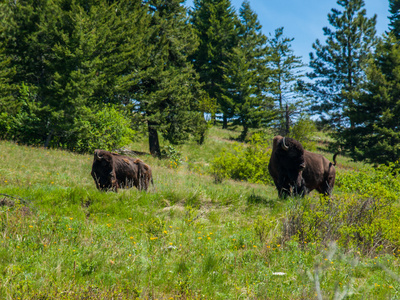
188	238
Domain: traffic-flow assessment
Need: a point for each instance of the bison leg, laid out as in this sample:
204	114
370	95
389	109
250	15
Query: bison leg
284	190
114	184
300	191
96	180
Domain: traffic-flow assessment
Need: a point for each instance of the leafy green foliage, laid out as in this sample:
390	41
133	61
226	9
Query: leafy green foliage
244	163
394	26
104	128
169	95
27	124
286	74
365	217
76	56
107	129
380	182
69	58
368	225
173	155
246	76
303	131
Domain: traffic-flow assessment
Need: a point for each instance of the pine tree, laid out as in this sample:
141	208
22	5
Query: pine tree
394	25
376	131
286	74
7	88
70	56
338	65
169	93
246	75
215	22
7	72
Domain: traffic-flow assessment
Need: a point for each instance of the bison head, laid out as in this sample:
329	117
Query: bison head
102	156
290	154
102	169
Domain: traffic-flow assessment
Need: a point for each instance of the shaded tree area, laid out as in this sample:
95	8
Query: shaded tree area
216	25
375	136
394	24
376	131
72	61
246	76
286	80
337	65
68	64
86	74
355	82
169	95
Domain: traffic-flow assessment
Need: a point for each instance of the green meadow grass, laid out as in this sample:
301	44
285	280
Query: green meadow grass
187	238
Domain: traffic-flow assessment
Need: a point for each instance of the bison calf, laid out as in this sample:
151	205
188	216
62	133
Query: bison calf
296	171
111	171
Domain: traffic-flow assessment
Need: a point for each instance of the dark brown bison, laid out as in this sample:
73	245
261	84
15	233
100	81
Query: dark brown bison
296	171
112	171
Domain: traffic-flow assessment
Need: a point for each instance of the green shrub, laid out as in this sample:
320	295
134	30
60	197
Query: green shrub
107	128
379	182
369	225
28	124
173	155
96	127
303	131
248	163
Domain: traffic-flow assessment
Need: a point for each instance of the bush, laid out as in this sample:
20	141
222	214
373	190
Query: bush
107	128
173	155
28	124
303	132
365	217
366	224
380	182
248	163
102	127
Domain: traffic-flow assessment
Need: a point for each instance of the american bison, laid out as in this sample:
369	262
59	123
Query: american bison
112	171
296	171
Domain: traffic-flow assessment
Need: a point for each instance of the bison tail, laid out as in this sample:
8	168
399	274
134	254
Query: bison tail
334	158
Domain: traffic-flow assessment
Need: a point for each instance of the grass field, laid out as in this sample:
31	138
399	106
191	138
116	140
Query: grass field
187	238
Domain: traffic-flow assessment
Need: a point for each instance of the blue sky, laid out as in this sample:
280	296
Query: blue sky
303	20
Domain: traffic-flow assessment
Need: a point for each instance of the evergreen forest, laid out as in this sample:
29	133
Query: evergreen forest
87	74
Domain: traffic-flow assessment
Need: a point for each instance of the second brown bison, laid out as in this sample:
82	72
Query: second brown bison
112	171
296	171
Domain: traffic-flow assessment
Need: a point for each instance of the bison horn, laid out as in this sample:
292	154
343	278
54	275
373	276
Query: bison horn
284	147
98	157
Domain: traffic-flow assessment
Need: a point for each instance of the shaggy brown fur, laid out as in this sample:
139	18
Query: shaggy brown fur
319	173
112	171
297	171
285	166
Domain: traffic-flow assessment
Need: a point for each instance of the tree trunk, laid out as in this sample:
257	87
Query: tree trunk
48	138
287	117
243	135
224	122
154	144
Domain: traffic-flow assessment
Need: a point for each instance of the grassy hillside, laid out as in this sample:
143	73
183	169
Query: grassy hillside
188	238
